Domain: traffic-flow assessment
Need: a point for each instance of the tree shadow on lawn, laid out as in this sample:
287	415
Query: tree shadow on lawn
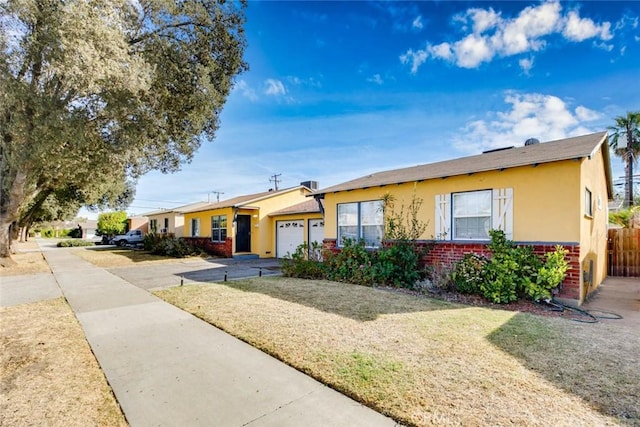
597	362
356	302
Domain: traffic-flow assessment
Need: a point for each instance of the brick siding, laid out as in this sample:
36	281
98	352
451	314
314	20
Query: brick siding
448	253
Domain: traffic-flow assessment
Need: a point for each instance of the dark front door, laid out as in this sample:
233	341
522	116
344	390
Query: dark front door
243	233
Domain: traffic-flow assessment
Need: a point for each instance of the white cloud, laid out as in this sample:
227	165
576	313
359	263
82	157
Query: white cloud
586	115
526	64
442	51
376	79
487	35
472	51
483	19
274	87
579	29
530	115
417	23
246	90
416	59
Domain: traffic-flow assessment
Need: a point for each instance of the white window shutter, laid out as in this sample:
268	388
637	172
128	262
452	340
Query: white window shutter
443	216
503	211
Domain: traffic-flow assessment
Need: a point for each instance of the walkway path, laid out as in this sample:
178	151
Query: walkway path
168	368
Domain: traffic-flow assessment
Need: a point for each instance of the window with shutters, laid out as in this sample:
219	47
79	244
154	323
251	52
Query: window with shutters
470	215
361	221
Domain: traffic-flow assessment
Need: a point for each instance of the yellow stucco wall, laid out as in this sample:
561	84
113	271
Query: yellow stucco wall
263	240
262	230
593	243
205	221
546	199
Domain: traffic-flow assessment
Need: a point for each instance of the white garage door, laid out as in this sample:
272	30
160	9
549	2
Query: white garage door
316	230
316	234
289	235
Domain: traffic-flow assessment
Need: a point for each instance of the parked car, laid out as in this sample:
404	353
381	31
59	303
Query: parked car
132	237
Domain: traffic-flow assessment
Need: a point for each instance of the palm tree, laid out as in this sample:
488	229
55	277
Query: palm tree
627	127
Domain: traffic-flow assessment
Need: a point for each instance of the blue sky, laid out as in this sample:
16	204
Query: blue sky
337	90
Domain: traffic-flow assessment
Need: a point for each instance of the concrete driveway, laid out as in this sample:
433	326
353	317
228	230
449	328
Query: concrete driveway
619	295
160	276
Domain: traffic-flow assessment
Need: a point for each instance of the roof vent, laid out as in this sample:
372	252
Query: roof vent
531	141
498	149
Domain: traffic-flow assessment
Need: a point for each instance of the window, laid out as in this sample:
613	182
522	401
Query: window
471	215
588	203
153	225
361	221
219	228
166	224
195	227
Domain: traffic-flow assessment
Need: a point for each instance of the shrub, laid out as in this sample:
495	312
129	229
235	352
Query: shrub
439	278
468	274
74	243
550	274
512	272
354	264
304	263
169	246
398	265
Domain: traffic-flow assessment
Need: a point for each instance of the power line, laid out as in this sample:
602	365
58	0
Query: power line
275	180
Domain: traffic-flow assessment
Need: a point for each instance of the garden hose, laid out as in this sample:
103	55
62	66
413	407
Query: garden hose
587	316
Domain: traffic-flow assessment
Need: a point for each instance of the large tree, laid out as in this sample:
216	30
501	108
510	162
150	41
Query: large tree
106	90
627	129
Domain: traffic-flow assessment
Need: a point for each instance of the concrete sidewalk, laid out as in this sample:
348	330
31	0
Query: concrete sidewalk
168	368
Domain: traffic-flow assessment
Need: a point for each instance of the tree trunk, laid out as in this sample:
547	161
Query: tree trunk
9	213
5	246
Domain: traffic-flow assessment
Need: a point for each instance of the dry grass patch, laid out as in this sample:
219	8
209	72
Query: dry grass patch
28	260
49	375
429	362
118	257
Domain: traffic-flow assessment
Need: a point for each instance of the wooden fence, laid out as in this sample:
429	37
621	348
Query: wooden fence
624	252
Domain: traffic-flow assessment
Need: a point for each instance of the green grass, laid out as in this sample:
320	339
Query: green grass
428	362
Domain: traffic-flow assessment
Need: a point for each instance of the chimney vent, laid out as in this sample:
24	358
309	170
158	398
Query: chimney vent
531	141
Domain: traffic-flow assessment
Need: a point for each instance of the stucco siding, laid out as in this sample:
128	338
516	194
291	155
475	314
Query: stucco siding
593	242
545	199
265	241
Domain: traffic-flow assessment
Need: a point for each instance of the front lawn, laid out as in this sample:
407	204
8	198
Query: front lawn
429	362
111	257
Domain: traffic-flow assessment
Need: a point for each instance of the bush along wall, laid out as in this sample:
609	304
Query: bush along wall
396	264
510	272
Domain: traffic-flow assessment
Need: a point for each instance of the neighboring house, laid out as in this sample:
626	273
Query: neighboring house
297	224
138	223
89	228
170	221
241	226
541	194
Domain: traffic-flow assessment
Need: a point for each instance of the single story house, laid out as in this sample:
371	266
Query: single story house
242	227
170	221
539	194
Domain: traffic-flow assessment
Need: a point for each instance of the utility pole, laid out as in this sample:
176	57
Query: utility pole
217	193
275	180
